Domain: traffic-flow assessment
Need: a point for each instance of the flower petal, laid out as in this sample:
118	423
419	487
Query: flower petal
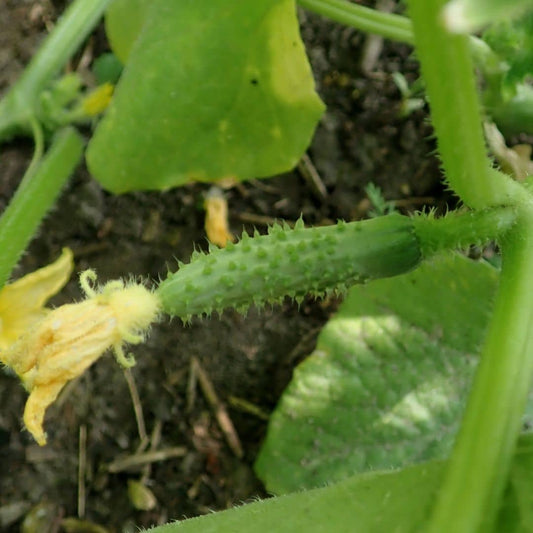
36	404
22	302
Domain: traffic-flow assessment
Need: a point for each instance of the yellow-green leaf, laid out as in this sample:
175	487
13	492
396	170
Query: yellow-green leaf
211	90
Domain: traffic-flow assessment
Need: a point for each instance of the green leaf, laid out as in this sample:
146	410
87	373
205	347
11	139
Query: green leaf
512	40
210	92
376	502
464	16
388	380
107	69
124	20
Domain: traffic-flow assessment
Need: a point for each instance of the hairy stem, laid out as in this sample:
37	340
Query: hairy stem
480	462
38	151
448	72
35	196
460	230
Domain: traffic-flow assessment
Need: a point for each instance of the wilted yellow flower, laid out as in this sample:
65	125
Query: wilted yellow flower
70	338
216	218
22	302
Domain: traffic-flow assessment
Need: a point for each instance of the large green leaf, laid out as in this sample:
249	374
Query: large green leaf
376	502
124	20
211	90
388	380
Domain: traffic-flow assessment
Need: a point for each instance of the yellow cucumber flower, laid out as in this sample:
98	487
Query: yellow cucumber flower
22	302
69	339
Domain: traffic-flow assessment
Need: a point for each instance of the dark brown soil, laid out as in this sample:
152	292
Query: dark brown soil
360	140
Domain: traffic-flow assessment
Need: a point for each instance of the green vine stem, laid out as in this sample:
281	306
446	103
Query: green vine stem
448	73
17	109
38	151
400	28
461	230
479	465
387	25
35	195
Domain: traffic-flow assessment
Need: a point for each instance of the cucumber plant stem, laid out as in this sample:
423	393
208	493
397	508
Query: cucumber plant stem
480	461
38	151
460	230
35	195
479	465
448	73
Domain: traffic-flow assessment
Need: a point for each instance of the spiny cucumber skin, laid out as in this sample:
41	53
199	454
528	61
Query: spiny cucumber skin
291	262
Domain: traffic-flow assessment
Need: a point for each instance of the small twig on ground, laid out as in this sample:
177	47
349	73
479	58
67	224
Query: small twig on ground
260	220
414	200
309	172
155	439
221	414
374	43
191	387
248	407
262	186
91	249
137	408
82	466
140	459
305	347
86	58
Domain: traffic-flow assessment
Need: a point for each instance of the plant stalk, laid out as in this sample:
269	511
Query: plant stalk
480	462
19	105
35	195
448	72
399	28
386	25
38	151
461	230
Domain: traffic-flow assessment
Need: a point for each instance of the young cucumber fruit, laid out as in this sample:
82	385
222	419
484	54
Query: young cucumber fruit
291	262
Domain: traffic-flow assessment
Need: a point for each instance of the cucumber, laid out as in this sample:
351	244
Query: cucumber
291	262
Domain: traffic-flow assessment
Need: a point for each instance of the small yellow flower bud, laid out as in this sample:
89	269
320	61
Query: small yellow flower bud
72	337
97	100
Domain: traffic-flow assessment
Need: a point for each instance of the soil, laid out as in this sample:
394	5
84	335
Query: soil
361	139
